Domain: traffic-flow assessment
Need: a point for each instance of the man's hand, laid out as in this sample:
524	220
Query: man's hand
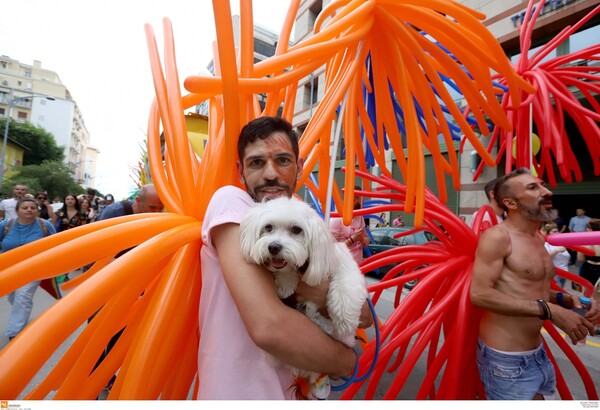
574	325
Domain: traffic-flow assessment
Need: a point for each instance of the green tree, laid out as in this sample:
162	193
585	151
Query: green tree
51	176
41	145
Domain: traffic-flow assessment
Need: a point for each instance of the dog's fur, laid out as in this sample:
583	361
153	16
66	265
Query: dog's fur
292	241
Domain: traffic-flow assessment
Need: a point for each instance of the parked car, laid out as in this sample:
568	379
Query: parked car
383	240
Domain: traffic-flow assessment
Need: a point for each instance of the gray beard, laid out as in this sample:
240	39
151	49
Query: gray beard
538	214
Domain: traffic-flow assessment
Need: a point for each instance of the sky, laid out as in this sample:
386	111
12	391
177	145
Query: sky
99	51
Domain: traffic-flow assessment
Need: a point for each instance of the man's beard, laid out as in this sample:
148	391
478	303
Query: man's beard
254	193
537	213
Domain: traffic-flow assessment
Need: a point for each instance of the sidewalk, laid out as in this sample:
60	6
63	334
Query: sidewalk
42	301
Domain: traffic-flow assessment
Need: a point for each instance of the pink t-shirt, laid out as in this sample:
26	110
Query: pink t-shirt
230	365
342	232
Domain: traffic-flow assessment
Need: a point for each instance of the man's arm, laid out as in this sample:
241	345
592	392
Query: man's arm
279	330
574	325
494	246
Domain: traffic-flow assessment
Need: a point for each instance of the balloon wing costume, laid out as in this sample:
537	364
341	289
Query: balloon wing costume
387	65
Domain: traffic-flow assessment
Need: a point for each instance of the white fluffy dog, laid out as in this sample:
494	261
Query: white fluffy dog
292	241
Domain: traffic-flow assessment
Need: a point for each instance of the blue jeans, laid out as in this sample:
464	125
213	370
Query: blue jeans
22	304
515	377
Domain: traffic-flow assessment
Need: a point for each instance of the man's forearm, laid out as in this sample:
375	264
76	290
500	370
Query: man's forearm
299	342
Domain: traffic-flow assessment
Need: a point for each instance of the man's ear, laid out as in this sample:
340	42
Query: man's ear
300	163
240	171
510	203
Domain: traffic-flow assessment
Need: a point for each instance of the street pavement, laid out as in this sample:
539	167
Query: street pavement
590	353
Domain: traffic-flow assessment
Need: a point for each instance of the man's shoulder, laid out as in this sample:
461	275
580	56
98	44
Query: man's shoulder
113	210
228	193
496	233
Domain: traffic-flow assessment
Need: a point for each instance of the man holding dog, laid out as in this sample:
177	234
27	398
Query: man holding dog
511	281
240	313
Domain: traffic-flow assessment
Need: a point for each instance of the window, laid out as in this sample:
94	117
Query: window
22	115
2	112
28	73
263	48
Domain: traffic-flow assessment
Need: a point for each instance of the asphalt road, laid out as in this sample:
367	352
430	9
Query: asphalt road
590	353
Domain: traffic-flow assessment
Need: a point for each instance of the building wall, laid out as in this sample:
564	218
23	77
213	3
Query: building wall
502	19
61	117
14	157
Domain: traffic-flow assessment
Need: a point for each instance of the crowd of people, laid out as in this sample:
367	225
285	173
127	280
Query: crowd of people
26	218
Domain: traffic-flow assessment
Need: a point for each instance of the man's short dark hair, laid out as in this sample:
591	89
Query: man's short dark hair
502	190
263	127
91	191
489	188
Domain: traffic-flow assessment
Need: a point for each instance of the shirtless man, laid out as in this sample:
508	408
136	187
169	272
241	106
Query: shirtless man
511	281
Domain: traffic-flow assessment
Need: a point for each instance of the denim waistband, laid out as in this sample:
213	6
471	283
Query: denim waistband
537	356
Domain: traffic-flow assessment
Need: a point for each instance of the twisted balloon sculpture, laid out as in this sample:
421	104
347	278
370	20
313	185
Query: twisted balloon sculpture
436	321
153	291
556	81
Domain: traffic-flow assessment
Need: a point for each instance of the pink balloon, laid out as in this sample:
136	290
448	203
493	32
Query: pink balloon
574	238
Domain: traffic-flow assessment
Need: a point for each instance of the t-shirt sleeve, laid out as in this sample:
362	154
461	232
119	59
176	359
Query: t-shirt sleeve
2	225
228	205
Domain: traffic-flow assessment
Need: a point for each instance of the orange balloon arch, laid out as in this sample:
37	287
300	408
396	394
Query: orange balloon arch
153	291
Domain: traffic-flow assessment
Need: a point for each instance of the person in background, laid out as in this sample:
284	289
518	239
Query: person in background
87	209
354	235
91	196
590	265
68	217
15	232
383	221
561	223
512	274
104	202
147	200
398	221
488	189
44	207
8	206
578	223
560	255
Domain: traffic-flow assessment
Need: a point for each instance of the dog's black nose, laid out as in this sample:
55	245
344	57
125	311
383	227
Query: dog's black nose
274	248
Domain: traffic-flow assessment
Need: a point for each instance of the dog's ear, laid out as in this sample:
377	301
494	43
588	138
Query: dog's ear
319	245
250	233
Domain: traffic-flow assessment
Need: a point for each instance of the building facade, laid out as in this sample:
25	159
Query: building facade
502	19
58	113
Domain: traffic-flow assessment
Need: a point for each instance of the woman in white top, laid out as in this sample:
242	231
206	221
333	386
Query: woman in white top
560	255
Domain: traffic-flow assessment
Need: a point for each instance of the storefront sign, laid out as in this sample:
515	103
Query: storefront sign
549	6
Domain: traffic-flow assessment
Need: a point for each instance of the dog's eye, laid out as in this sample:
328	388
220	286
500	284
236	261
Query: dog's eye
268	228
296	230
